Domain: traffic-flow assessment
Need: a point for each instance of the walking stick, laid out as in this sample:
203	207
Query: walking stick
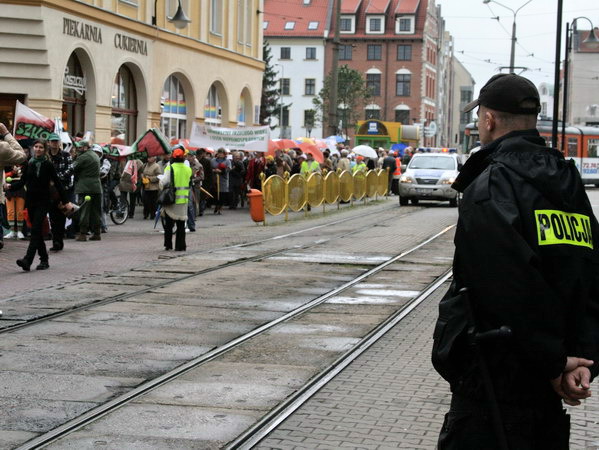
474	339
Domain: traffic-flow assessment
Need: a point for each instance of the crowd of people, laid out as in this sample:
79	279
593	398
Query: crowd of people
58	192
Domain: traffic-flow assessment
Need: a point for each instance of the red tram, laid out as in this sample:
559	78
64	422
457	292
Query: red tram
582	145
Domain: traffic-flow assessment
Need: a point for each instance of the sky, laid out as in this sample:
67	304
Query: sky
483	44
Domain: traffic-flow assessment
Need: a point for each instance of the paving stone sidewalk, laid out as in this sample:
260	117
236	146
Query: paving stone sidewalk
391	397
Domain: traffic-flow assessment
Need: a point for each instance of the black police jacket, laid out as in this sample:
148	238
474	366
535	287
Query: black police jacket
527	249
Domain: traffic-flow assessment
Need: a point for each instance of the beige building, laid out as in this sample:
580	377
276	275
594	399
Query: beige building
462	94
119	67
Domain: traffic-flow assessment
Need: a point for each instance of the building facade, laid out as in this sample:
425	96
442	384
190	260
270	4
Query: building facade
546	97
462	94
297	42
119	67
583	81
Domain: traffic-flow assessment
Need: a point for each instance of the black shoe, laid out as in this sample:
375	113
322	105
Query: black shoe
168	248
43	265
24	264
56	247
180	249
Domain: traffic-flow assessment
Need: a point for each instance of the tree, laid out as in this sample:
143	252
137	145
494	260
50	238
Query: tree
269	103
352	96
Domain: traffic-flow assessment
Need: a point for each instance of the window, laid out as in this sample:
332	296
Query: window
313	25
212	107
310	52
285	86
249	14
573	147
402	85
310	86
375	24
345	52
465	95
265	25
216	16
404	52
173	119
374	52
544	108
347	24
285	53
404	25
373	83
74	86
285	117
289	25
129	2
373	113
402	116
124	106
593	148
309	115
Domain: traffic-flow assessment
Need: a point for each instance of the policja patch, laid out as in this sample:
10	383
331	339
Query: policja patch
559	227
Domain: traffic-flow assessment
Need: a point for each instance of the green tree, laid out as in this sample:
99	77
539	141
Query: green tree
269	103
352	97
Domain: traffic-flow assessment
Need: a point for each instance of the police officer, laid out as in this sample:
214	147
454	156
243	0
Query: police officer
527	250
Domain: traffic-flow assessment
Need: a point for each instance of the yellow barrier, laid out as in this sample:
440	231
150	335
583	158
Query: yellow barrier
297	192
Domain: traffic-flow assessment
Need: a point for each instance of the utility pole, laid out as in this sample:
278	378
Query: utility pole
335	71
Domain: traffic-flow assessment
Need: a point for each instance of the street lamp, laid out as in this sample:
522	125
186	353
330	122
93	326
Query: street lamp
180	19
512	53
592	41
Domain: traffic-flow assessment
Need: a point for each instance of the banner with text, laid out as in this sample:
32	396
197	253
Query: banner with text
30	124
249	138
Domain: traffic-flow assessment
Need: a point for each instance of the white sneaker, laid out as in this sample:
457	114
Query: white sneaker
20	235
10	235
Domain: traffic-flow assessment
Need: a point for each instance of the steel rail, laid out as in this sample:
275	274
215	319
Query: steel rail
274	418
112	405
124	296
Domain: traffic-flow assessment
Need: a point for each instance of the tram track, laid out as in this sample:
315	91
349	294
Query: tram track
125	399
124	296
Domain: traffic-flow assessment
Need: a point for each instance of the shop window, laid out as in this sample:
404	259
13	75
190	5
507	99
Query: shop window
212	107
124	106
8	103
173	118
74	87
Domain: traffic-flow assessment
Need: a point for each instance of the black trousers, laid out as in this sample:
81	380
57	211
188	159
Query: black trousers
37	213
468	426
168	224
57	224
150	198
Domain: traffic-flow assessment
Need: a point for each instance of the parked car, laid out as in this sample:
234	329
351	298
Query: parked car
429	176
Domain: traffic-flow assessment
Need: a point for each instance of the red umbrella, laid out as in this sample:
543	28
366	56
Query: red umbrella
272	148
313	150
286	143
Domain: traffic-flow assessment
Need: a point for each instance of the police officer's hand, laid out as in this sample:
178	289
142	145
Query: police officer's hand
574	383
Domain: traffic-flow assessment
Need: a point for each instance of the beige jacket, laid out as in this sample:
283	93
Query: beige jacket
11	153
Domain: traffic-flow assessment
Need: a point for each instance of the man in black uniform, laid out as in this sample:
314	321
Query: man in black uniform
527	250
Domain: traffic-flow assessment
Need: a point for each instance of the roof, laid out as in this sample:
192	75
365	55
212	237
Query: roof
407	6
310	20
350	6
377	6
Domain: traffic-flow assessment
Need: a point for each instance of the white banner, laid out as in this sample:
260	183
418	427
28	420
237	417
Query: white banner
247	138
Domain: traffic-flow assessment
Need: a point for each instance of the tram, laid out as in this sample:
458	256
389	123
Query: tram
582	145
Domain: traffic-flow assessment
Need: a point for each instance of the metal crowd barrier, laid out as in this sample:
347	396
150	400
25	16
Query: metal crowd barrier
300	192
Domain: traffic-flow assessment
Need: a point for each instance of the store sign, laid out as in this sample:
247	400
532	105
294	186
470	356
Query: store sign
78	84
373	128
130	44
81	30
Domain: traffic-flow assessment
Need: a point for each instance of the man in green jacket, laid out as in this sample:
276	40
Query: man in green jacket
87	184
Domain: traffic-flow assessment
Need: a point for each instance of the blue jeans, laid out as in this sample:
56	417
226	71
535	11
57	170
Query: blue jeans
191	215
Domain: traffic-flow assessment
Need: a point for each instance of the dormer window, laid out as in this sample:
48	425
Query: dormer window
347	24
404	24
313	25
289	25
265	25
375	24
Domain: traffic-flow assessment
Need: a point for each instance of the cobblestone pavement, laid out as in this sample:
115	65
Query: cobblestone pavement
137	242
391	397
